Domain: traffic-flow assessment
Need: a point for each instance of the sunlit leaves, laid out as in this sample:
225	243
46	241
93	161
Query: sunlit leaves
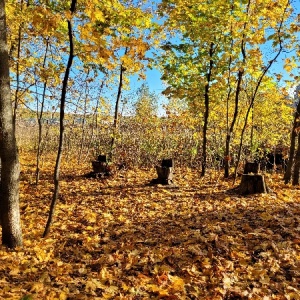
123	238
102	30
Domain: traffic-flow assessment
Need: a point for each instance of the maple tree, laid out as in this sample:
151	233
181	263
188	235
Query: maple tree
109	33
238	47
98	30
277	42
61	122
122	237
103	31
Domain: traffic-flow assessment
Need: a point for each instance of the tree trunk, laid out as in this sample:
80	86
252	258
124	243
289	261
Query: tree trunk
235	115
294	134
10	168
206	113
252	167
115	125
18	70
164	172
61	125
236	102
288	172
40	122
297	165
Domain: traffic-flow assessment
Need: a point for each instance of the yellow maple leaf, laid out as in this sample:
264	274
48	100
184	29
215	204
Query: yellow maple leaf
156	289
99	16
110	292
177	283
63	296
226	282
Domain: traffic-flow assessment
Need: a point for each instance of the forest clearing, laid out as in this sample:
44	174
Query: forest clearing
150	149
121	238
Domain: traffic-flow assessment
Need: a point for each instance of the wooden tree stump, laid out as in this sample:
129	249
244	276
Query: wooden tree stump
102	158
164	172
168	163
253	184
252	167
164	175
101	167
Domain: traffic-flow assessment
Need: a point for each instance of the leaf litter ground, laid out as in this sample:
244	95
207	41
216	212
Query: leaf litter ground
121	238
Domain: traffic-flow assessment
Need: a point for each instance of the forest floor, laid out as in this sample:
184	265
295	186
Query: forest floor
121	238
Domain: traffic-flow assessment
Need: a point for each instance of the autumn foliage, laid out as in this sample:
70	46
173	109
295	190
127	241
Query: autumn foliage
121	238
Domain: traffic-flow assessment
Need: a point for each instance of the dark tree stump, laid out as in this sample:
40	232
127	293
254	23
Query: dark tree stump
102	158
168	163
253	184
101	167
164	175
164	172
252	167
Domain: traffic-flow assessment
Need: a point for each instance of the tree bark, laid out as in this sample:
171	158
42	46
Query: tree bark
10	168
61	125
115	125
252	184
297	165
294	134
230	132
16	97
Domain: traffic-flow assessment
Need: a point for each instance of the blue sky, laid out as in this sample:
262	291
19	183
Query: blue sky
156	85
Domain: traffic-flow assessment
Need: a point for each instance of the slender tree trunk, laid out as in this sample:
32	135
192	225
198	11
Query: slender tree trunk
288	173
61	125
294	134
18	71
206	113
116	115
252	131
40	123
10	168
235	115
236	102
228	134
297	165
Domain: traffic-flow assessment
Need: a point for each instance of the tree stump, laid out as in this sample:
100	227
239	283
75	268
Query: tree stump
168	163
164	172
164	175
102	158
252	167
101	167
253	184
